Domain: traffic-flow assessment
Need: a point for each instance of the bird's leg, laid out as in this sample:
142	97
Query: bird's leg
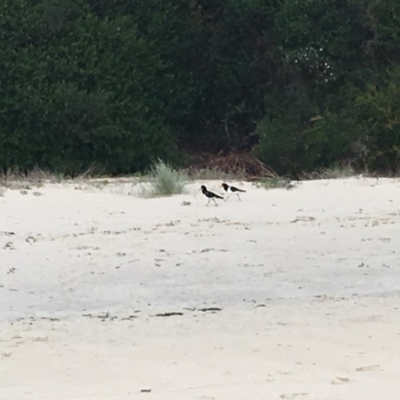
237	194
216	204
227	197
208	202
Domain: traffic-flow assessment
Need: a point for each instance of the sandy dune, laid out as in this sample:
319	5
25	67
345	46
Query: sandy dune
289	294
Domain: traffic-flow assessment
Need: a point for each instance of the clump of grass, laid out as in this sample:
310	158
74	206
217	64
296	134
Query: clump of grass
274	183
164	181
333	172
209	174
16	179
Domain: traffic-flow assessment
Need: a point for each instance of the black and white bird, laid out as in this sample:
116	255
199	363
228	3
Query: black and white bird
210	195
232	189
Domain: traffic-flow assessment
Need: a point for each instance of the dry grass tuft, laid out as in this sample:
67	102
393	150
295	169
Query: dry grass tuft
334	172
17	180
210	174
275	183
235	165
164	180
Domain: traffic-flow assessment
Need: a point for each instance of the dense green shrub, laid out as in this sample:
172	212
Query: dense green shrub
79	90
120	84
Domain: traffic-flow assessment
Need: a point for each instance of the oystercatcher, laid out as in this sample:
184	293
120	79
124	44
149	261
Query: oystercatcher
210	195
232	189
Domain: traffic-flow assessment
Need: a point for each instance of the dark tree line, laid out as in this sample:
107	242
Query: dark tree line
302	84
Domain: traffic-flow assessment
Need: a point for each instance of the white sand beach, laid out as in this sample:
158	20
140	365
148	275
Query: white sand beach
287	294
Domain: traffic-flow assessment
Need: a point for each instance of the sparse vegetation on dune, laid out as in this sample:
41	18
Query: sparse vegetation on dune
18	180
209	174
334	172
37	177
274	183
163	179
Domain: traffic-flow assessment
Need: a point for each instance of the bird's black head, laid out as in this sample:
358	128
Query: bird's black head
203	189
225	186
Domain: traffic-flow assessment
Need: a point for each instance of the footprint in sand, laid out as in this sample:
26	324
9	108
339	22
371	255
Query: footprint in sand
369	368
340	380
205	398
292	395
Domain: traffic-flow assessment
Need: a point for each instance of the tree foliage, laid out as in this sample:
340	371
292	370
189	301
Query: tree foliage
302	83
